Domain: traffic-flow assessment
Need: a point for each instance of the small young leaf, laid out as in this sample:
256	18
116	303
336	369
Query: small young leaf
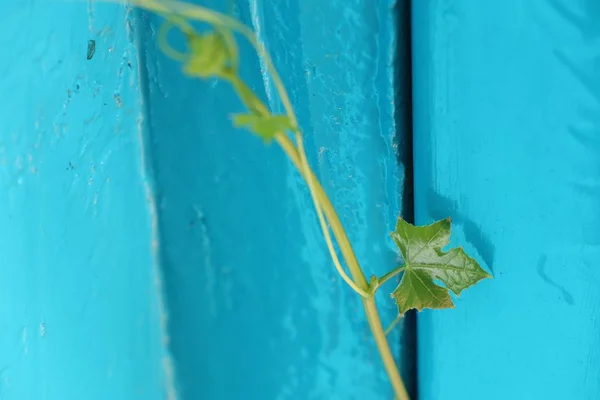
264	126
210	55
421	248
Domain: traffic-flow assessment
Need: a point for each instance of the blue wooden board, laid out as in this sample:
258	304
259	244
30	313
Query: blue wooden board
79	311
255	307
507	141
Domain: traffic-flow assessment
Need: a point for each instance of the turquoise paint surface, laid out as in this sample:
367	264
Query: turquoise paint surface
255	307
507	141
79	312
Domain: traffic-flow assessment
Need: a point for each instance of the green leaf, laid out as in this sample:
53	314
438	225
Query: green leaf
265	126
421	248
211	54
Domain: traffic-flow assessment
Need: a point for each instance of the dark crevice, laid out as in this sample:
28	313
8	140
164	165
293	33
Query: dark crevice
404	142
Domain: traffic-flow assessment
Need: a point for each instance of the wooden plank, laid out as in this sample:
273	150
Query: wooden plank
79	313
507	141
256	308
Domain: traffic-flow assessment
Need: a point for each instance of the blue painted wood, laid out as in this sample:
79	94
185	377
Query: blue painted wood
507	141
255	308
79	312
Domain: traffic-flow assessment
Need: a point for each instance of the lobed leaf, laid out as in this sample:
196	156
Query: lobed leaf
210	54
421	248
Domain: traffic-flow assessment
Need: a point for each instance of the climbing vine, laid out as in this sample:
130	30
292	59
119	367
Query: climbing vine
428	274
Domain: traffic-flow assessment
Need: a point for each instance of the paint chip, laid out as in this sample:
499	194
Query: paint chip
91	49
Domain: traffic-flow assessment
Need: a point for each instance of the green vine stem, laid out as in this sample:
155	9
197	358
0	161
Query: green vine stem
386	278
369	302
323	205
215	55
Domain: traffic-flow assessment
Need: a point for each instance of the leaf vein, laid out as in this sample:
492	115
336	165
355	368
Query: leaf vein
428	242
426	287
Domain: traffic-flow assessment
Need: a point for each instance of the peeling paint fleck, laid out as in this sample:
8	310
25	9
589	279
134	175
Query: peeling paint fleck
91	49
